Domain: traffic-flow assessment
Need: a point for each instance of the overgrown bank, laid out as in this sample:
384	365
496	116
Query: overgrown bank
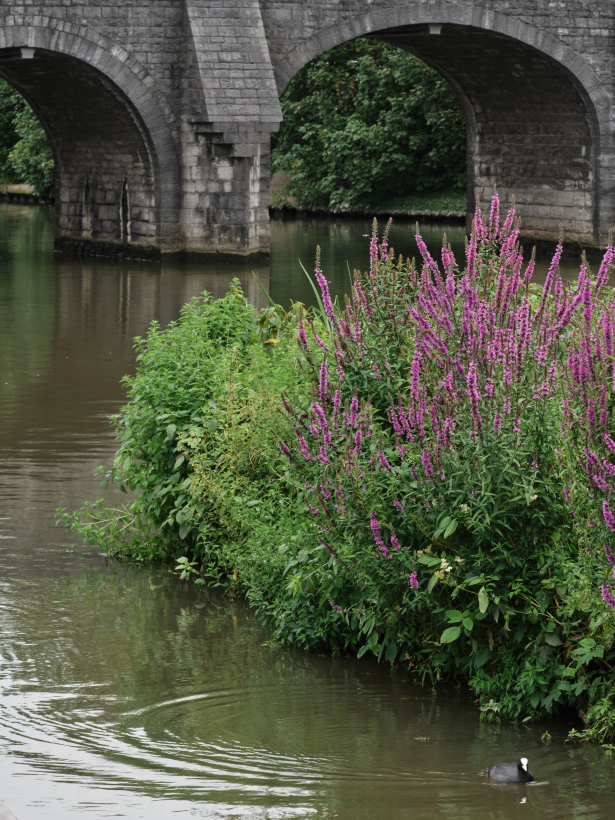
448	204
425	475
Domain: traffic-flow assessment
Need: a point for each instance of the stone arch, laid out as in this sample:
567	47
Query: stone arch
553	120
107	121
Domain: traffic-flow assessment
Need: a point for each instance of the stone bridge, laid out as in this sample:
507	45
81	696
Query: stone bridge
160	111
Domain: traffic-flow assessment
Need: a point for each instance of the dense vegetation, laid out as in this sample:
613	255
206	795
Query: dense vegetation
366	122
425	475
25	153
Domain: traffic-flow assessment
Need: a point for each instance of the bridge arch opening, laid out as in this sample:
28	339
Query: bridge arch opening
533	128
366	125
105	165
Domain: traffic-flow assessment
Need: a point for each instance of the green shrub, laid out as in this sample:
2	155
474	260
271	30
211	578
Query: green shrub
392	478
25	152
367	121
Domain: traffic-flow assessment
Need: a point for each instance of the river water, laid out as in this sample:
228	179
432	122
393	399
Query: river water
124	693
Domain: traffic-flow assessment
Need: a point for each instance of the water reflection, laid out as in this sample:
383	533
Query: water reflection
133	691
124	693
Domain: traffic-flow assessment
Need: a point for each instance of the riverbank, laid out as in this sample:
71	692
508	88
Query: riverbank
450	205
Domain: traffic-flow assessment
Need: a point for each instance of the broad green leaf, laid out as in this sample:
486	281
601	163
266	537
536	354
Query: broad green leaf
483	600
428	560
454	616
468	624
391	652
587	643
451	634
303	555
552	639
451	528
432	583
482	657
171	431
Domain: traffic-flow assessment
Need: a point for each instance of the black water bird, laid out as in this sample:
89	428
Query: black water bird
510	772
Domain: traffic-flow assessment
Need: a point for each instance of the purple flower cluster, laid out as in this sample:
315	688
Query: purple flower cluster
478	356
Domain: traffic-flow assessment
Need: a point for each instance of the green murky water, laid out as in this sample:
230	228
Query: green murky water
126	694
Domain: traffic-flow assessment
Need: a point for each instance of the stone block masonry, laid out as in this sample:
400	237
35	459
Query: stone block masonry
160	112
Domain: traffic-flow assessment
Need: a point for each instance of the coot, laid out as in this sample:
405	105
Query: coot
510	772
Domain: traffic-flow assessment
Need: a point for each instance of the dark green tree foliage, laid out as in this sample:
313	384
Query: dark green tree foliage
366	117
25	152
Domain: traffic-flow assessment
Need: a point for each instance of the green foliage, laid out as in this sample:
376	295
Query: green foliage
25	152
368	120
493	581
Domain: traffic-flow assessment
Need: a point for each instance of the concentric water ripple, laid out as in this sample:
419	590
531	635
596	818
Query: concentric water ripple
182	710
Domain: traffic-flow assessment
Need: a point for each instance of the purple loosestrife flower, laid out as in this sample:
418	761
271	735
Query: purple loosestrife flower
609	555
426	461
414	580
471	250
358	441
337	406
395	422
383	461
481	230
607	331
375	528
546	290
609	442
354	410
305	450
529	272
398	506
323	384
322	419
284	449
427	257
450	287
607	595
608	515
305	346
602	280
324	289
508	222
320	342
588	307
415	372
395	542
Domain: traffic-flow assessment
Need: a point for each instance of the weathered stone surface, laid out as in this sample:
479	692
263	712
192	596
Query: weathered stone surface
160	111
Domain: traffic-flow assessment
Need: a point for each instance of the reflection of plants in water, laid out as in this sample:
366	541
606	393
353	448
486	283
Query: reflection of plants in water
27	294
